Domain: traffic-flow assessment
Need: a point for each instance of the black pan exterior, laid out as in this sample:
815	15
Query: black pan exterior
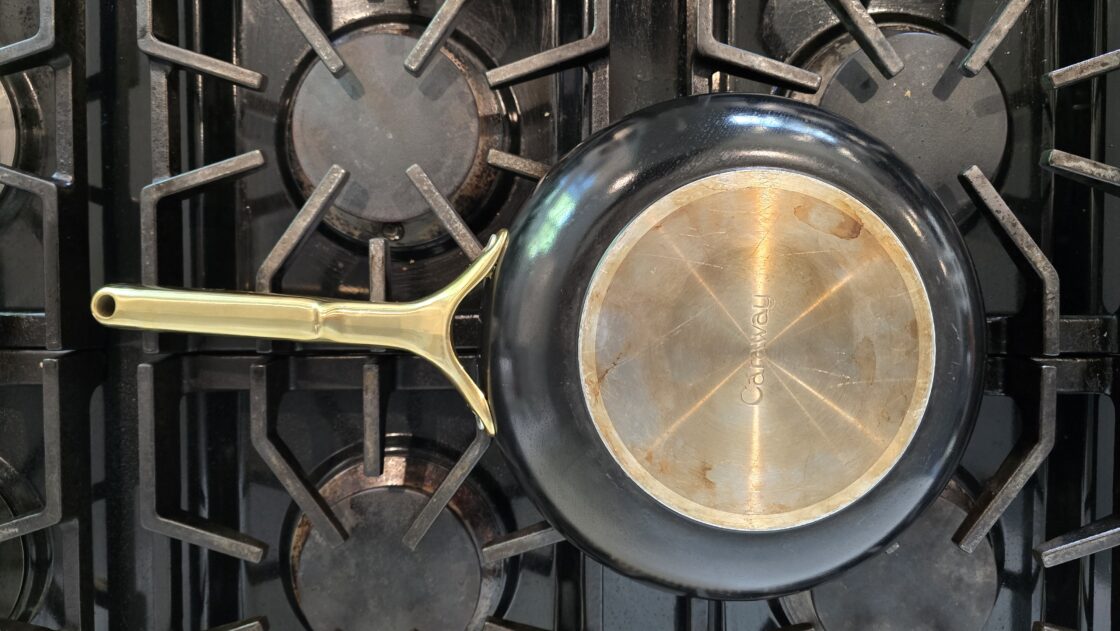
544	426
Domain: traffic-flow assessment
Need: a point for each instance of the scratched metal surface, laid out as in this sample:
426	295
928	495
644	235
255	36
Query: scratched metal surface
706	365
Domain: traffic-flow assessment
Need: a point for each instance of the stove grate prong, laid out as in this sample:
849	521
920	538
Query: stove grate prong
16	625
373	423
517	164
774	71
1039	428
152	194
51	335
521	541
856	18
455	479
1082	170
27	182
176	184
559	58
433	37
994	33
58	48
1101	535
48	194
150	198
378	269
296	235
51	512
1038	437
1026	252
314	35
154	47
68	380
494	624
253	624
445	212
158	392
1081	71
76	375
301	228
267	383
42	41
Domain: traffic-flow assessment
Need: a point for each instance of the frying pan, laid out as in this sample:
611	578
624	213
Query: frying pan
733	345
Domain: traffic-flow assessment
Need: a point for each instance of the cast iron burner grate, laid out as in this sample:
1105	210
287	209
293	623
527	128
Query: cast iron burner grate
45	520
403	224
311	140
373	208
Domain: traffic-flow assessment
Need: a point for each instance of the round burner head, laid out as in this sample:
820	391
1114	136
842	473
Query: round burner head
921	582
937	120
733	362
376	120
373	581
8	137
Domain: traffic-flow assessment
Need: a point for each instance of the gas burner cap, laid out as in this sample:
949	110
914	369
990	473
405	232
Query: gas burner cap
938	121
732	361
376	120
373	581
8	138
921	582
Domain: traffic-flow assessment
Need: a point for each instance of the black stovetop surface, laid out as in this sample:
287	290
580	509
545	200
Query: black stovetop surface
168	515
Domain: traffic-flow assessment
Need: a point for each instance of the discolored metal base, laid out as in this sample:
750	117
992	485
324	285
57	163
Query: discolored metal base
756	349
937	120
921	582
373	581
8	133
375	120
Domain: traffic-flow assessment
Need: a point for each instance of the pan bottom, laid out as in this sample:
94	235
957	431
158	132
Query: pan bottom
756	349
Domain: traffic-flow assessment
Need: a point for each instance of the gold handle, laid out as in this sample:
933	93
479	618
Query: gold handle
422	327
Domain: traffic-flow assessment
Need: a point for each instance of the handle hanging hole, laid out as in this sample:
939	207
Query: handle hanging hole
104	306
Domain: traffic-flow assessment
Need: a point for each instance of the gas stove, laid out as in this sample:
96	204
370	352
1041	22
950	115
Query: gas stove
373	151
